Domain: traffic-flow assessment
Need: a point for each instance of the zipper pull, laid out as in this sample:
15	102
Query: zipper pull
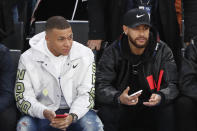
59	81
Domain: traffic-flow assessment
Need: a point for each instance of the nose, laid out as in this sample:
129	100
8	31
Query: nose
141	32
67	43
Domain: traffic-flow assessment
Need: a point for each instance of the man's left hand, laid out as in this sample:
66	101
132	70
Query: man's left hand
153	101
62	123
94	44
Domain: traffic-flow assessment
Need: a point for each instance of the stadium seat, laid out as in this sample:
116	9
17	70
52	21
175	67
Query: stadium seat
80	29
15	55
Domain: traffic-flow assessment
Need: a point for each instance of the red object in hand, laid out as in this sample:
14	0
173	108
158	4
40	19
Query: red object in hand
61	115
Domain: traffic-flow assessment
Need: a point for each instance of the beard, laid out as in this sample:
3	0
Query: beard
134	42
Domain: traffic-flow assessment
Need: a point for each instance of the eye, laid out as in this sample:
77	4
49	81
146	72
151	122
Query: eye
70	37
61	39
146	27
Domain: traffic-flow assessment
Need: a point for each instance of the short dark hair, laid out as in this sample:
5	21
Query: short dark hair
57	22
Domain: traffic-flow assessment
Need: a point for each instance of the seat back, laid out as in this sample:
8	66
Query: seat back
15	55
80	30
15	40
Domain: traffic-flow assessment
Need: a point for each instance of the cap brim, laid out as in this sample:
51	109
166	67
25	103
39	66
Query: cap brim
140	23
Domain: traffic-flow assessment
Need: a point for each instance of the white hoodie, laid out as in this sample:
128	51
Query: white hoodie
39	88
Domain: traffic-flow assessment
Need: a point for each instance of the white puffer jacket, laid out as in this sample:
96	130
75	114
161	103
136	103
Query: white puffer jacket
38	87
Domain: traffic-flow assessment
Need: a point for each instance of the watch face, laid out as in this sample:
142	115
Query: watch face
75	117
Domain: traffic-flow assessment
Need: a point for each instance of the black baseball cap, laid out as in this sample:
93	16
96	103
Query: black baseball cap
136	17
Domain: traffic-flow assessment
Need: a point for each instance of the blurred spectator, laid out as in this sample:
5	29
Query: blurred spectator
187	103
23	10
105	19
6	18
190	18
8	111
70	9
179	13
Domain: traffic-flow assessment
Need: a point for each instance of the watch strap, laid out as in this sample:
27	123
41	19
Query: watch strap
74	116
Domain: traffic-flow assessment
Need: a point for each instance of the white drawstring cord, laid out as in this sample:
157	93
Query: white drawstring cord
76	3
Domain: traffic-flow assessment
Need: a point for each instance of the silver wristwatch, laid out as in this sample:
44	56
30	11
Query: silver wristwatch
75	117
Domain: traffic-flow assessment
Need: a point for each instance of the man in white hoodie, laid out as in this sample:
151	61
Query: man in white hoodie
56	76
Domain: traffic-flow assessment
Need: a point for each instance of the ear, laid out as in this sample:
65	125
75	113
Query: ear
46	37
125	29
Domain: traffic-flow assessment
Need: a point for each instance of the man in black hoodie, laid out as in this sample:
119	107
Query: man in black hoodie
136	62
105	21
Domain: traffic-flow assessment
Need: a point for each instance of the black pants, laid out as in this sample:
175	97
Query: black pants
137	118
186	114
48	8
8	119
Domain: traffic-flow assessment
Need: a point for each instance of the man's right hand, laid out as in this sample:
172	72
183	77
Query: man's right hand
94	44
62	123
50	115
128	100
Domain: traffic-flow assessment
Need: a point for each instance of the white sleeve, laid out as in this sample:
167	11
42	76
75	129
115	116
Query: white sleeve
24	93
86	91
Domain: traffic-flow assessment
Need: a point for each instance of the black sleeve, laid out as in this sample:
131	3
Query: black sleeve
7	79
188	73
106	92
96	10
170	76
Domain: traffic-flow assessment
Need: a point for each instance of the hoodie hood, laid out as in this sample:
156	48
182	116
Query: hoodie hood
37	42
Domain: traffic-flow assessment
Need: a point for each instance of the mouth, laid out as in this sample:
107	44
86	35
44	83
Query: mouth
65	50
141	39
